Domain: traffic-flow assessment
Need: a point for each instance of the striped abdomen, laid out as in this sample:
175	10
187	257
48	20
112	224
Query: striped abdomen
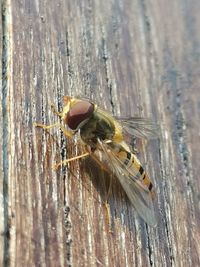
135	169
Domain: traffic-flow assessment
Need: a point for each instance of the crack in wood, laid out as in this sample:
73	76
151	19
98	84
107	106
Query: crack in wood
149	247
105	58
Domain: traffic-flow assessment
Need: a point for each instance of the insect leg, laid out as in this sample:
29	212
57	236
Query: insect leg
64	162
47	127
66	132
53	109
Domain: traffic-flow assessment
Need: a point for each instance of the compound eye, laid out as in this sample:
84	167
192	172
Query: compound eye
78	113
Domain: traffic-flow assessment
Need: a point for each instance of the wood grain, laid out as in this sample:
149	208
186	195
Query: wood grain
1	159
131	57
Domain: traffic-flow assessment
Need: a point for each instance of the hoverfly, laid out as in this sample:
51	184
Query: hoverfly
103	139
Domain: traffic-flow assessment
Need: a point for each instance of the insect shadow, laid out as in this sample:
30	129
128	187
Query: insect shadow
117	204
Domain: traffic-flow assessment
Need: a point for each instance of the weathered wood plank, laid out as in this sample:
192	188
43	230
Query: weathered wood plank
132	57
6	81
1	159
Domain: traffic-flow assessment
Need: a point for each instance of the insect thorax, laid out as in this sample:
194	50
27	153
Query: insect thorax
97	127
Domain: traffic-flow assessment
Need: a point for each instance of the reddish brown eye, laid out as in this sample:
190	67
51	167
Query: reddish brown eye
78	113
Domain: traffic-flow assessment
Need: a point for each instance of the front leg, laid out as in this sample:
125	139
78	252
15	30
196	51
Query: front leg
53	109
58	125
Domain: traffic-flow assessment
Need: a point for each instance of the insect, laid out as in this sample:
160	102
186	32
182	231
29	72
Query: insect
103	137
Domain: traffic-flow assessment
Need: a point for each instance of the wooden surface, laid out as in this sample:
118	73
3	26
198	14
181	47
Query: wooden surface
133	57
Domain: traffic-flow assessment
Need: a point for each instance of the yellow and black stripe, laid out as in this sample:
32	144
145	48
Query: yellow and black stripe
130	160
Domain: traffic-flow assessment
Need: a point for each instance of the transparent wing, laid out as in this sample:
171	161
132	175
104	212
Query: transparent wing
137	192
140	127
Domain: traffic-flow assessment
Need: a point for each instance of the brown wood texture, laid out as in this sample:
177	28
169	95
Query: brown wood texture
133	57
1	165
